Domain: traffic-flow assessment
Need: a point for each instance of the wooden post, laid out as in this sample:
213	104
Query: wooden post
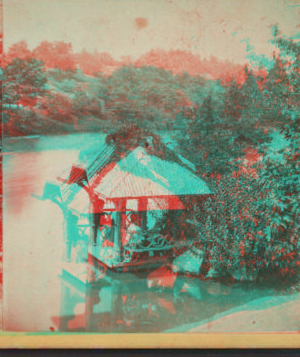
94	224
116	306
174	214
67	248
117	236
65	300
142	208
120	205
175	223
91	299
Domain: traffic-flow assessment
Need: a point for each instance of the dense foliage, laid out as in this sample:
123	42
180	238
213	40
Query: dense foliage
253	219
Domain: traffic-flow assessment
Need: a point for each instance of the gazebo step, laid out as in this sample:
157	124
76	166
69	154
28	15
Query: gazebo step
106	255
75	274
81	275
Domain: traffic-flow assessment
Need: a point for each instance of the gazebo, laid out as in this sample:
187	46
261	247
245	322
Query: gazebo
134	183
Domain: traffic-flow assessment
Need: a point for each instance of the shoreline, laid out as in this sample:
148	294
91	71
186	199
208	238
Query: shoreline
238	317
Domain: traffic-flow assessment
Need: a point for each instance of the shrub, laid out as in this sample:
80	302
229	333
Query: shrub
242	227
232	229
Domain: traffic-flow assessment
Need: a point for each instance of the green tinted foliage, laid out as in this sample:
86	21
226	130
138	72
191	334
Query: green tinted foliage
23	77
231	230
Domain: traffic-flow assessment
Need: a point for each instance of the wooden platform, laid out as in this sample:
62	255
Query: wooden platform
106	257
83	275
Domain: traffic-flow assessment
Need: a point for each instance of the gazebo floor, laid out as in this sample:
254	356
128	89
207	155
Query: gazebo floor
102	260
108	258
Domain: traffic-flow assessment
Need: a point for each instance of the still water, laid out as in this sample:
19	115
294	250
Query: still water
36	296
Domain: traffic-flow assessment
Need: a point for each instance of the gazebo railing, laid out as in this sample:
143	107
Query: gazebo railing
145	242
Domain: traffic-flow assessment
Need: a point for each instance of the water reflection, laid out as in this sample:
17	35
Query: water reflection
126	302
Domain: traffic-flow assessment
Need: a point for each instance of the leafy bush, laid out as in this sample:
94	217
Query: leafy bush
231	230
282	176
238	231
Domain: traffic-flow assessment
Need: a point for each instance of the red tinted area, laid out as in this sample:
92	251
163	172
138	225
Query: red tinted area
77	322
168	305
162	276
140	23
107	243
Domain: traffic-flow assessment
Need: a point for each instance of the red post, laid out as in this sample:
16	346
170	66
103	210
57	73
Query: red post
120	205
142	208
97	206
174	215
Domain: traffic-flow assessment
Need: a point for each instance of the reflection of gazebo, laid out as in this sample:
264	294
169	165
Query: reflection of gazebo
136	181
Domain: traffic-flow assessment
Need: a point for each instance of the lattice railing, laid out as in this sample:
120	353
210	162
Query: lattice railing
142	242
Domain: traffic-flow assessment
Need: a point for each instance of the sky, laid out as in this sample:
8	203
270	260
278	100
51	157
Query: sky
226	29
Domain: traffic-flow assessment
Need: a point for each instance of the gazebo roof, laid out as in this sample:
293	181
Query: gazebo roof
142	175
137	174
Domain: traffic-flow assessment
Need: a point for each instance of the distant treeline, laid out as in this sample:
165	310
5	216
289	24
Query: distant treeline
51	90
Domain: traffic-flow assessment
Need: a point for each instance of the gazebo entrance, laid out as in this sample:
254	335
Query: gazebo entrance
132	241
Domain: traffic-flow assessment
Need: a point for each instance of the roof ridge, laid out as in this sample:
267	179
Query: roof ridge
103	151
71	191
99	177
182	164
127	172
179	159
150	171
146	166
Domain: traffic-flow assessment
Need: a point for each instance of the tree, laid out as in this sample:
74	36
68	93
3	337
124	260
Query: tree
18	50
231	225
233	101
23	78
85	105
209	142
251	123
57	55
282	173
64	56
45	52
59	108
